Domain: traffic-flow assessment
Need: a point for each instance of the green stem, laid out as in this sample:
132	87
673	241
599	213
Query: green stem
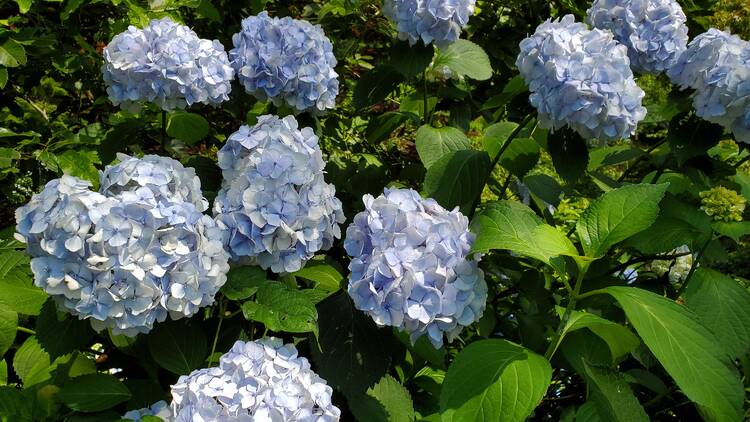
26	330
496	159
424	97
218	330
574	296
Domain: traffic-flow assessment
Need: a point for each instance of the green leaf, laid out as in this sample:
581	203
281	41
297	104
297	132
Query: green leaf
457	178
323	276
380	127
31	363
61	333
496	135
619	339
3	77
413	103
466	59
352	352
386	401
282	309
520	157
177	346
243	282
588	413
735	230
433	143
8	325
410	60
15	404
723	306
19	293
494	380
93	393
570	154
8	156
24	5
70	7
678	223
690	136
612	395
617	215
544	187
687	350
375	85
187	127
610	155
513	226
12	53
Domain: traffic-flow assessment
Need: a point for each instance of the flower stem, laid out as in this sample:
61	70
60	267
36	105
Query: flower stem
222	310
574	296
26	330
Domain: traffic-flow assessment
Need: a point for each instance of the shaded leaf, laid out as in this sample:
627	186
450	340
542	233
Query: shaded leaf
457	178
178	346
433	143
93	393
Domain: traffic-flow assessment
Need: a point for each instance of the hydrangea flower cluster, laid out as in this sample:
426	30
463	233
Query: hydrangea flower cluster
159	409
434	21
676	270
274	201
131	254
167	64
581	78
723	204
286	60
262	380
716	65
411	267
654	31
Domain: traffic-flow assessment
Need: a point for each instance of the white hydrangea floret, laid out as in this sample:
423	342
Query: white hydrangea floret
129	255
432	21
411	267
159	409
277	209
262	380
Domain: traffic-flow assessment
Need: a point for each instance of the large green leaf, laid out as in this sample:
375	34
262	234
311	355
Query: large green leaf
187	127
386	401
570	154
688	351
678	223
12	53
457	178
323	276
612	395
177	346
243	282
281	308
8	325
31	363
619	339
724	308
513	226
381	127
60	333
496	135
351	352
617	215
494	380
520	157
375	85
93	392
432	143
410	60
466	59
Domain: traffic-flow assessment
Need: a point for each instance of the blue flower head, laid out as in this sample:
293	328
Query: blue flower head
411	267
286	60
438	21
274	202
716	65
167	64
654	31
261	380
129	255
581	78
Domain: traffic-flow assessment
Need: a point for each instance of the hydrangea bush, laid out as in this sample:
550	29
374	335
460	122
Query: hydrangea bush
416	210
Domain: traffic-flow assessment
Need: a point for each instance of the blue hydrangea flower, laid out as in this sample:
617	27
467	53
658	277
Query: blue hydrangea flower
716	65
411	267
274	202
654	31
434	21
159	409
124	259
167	64
286	60
581	78
262	380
